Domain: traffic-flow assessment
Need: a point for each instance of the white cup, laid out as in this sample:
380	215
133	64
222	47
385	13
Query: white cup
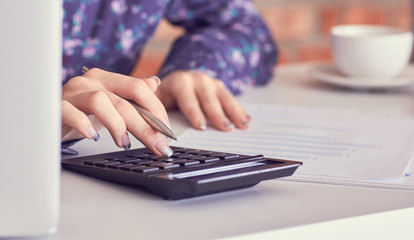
371	51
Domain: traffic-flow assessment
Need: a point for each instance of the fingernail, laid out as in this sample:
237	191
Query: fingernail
126	142
157	79
93	133
161	146
229	125
245	122
202	126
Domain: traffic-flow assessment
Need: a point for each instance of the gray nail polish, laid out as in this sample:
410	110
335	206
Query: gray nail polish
94	134
161	146
229	125
126	142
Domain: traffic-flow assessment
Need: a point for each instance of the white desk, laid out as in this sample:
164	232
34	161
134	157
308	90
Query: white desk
95	209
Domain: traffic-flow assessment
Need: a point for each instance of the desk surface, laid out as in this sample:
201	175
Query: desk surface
95	209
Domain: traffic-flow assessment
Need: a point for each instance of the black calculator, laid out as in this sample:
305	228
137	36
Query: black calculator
187	173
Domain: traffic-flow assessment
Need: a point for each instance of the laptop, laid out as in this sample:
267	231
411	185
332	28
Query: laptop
30	65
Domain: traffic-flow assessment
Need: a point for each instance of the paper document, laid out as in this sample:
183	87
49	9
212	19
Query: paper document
342	146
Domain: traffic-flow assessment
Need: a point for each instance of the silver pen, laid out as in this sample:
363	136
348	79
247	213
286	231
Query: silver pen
152	120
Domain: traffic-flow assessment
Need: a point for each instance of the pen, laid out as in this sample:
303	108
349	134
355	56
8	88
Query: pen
152	120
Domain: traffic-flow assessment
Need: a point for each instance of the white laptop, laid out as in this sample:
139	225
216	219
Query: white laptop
30	63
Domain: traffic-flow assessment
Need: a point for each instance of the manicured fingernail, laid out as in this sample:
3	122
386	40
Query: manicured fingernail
161	146
126	142
245	122
157	79
229	125
94	134
203	126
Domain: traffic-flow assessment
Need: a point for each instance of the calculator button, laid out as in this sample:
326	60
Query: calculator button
145	169
205	153
140	155
115	165
181	155
94	161
157	158
164	165
140	161
209	159
187	162
225	155
105	164
124	159
168	165
125	166
130	167
195	157
194	151
169	159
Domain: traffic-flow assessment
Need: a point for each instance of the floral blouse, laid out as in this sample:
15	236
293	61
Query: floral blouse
226	39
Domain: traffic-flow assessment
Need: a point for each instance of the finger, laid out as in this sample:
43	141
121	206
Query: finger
189	105
133	89
152	82
76	119
233	109
138	127
212	107
99	104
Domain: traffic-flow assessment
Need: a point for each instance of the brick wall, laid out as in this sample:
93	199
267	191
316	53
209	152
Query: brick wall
300	27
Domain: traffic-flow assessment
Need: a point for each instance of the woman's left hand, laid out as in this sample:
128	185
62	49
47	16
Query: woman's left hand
200	97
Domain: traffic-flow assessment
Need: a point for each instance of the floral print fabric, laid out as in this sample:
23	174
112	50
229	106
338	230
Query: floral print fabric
225	39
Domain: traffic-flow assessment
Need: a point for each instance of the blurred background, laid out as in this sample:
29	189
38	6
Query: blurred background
300	27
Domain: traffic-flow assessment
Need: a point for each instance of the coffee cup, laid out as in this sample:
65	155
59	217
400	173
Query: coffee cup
371	51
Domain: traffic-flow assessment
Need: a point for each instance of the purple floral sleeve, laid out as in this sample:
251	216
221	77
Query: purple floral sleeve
225	39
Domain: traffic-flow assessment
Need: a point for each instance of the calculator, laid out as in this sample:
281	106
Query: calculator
187	173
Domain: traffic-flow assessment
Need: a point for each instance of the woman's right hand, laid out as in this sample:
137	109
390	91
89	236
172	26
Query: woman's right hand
99	99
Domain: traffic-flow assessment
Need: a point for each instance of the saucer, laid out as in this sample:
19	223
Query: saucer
330	74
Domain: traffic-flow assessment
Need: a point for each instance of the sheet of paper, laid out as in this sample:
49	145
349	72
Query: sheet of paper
342	146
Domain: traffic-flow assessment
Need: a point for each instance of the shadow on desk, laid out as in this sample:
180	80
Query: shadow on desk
227	196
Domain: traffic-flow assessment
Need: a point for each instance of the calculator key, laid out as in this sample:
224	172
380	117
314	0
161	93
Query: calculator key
205	153
209	159
124	159
105	164
187	162
130	167
195	157
225	155
180	149
169	159
168	165
140	161
94	161
145	169
194	151
116	165
140	156
181	155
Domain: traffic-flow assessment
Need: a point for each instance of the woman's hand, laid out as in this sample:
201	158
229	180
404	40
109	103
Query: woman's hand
103	95
200	97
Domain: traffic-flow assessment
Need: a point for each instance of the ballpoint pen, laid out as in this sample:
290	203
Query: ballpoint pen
152	120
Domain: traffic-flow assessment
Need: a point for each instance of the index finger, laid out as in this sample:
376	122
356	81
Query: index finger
134	89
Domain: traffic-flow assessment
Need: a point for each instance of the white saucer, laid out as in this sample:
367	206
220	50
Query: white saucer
330	74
